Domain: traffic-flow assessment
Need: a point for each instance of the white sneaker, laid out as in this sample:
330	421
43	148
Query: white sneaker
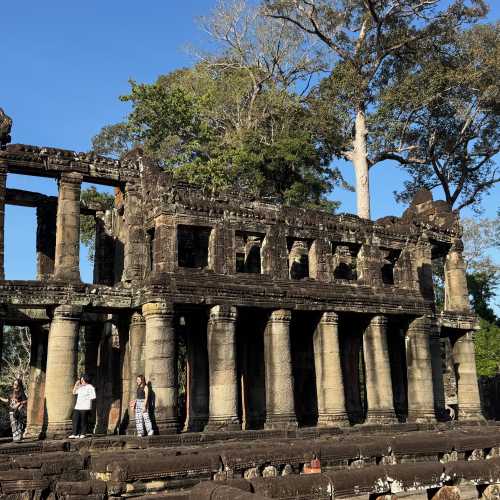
81	436
73	436
151	433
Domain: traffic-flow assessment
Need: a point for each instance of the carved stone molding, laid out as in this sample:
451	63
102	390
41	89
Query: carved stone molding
137	318
281	316
379	321
223	313
70	178
157	309
330	317
67	312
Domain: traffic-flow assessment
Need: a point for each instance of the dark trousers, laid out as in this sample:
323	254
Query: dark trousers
80	421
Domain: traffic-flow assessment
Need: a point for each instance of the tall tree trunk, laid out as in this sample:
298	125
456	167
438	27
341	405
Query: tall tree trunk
360	163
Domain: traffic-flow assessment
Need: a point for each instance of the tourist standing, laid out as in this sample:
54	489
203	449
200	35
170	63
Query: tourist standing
141	407
17	409
85	394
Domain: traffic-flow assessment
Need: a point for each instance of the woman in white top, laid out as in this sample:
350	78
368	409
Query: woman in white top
85	394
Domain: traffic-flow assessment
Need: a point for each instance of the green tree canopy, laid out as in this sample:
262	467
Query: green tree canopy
367	43
97	200
440	117
207	126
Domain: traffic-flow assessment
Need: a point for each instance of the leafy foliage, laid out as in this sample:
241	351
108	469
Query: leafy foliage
482	286
206	125
97	199
369	45
440	117
487	347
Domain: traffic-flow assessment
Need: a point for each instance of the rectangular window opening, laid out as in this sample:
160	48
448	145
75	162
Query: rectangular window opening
102	242
30	219
345	260
390	258
298	258
248	247
193	246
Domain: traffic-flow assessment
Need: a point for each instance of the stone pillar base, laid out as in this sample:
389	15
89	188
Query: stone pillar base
58	430
33	432
422	417
381	417
472	415
333	420
216	424
167	426
282	422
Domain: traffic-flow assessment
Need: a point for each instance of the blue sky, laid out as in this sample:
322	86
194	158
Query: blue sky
62	68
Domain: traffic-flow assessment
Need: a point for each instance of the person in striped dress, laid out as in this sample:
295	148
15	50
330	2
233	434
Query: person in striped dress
141	407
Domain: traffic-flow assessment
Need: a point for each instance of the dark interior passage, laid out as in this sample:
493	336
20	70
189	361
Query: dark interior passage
191	325
250	327
396	330
302	329
351	328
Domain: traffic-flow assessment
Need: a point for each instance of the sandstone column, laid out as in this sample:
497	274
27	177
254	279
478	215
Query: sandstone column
67	256
61	368
135	250
464	359
329	380
126	373
378	373
280	410
38	364
164	245
223	391
137	338
419	363
456	293
160	364
46	216
423	263
3	182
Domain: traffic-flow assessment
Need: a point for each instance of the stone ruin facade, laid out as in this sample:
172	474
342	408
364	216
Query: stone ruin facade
292	353
243	315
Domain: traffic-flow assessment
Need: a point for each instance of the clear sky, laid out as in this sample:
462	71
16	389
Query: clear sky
63	65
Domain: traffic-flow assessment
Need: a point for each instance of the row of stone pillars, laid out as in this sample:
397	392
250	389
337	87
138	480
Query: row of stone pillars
151	349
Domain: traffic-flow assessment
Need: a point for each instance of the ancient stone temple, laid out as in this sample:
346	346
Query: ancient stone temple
242	314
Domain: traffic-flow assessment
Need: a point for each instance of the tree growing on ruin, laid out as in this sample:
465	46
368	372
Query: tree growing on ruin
238	118
205	125
440	121
480	238
365	43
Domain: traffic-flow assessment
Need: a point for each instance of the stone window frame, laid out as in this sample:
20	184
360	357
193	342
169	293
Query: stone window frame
262	235
210	247
290	240
351	245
